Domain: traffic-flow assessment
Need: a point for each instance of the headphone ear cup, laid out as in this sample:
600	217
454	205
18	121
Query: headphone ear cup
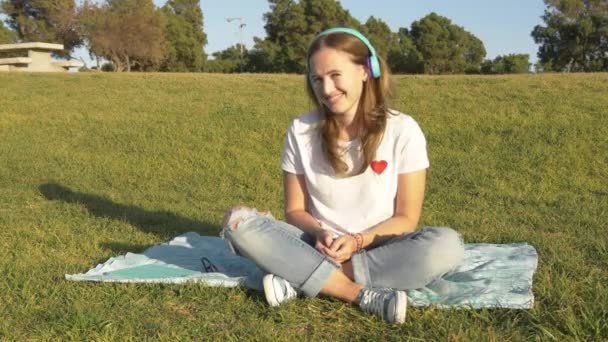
374	66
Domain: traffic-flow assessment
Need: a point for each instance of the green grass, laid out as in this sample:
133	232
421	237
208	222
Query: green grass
96	165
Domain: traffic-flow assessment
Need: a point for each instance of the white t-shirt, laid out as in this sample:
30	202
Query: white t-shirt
353	204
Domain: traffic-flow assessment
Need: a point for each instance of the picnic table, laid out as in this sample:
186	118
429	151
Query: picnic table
38	58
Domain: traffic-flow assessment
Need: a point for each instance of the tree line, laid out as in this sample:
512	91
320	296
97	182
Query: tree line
135	35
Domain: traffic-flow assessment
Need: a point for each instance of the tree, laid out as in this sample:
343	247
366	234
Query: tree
445	47
575	37
184	35
127	32
509	64
380	35
7	35
404	57
323	14
397	49
49	21
286	33
474	52
290	26
226	61
262	57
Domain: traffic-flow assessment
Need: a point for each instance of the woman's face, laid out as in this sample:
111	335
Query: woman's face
337	81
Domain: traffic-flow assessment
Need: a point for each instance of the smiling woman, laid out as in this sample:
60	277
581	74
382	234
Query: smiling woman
338	84
354	179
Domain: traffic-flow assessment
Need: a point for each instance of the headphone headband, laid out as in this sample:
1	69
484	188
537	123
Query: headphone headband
373	62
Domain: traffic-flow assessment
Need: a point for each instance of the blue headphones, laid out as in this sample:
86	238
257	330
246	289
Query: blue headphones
372	62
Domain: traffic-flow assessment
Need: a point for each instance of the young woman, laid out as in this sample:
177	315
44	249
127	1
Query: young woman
354	179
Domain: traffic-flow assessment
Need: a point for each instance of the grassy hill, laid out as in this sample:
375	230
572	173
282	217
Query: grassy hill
96	165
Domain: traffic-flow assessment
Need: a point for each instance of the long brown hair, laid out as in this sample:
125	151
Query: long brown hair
373	108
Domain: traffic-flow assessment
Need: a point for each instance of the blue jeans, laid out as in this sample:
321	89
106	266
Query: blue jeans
409	261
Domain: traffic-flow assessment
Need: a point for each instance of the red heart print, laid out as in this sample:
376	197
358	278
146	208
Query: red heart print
378	166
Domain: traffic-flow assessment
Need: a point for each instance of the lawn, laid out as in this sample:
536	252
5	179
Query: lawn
94	165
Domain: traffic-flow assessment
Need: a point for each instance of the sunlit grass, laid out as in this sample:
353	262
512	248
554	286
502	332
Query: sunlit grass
97	165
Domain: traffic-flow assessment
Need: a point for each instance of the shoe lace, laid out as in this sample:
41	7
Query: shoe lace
290	292
373	302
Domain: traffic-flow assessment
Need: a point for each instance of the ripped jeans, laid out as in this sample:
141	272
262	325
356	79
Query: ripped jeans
409	261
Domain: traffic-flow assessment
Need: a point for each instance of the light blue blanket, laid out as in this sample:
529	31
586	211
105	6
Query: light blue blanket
493	275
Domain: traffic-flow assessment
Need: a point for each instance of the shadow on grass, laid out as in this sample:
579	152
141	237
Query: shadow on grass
163	223
123	248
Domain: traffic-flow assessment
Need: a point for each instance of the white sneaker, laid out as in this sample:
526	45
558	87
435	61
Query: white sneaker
389	305
278	290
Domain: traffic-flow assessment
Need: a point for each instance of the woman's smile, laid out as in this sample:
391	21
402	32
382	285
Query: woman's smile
333	99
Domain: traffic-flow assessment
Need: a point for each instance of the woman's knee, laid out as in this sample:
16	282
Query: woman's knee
236	215
258	235
447	248
245	233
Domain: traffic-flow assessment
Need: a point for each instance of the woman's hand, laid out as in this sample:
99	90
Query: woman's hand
342	248
323	241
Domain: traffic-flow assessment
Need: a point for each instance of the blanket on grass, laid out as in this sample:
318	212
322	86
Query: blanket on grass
492	275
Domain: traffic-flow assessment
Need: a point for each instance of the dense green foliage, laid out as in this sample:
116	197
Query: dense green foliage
127	32
95	165
380	35
509	64
184	35
446	48
404	57
134	34
291	25
230	60
50	21
433	45
7	35
575	36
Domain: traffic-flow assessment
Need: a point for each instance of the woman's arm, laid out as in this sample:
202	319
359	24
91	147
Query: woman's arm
408	205
296	210
296	205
